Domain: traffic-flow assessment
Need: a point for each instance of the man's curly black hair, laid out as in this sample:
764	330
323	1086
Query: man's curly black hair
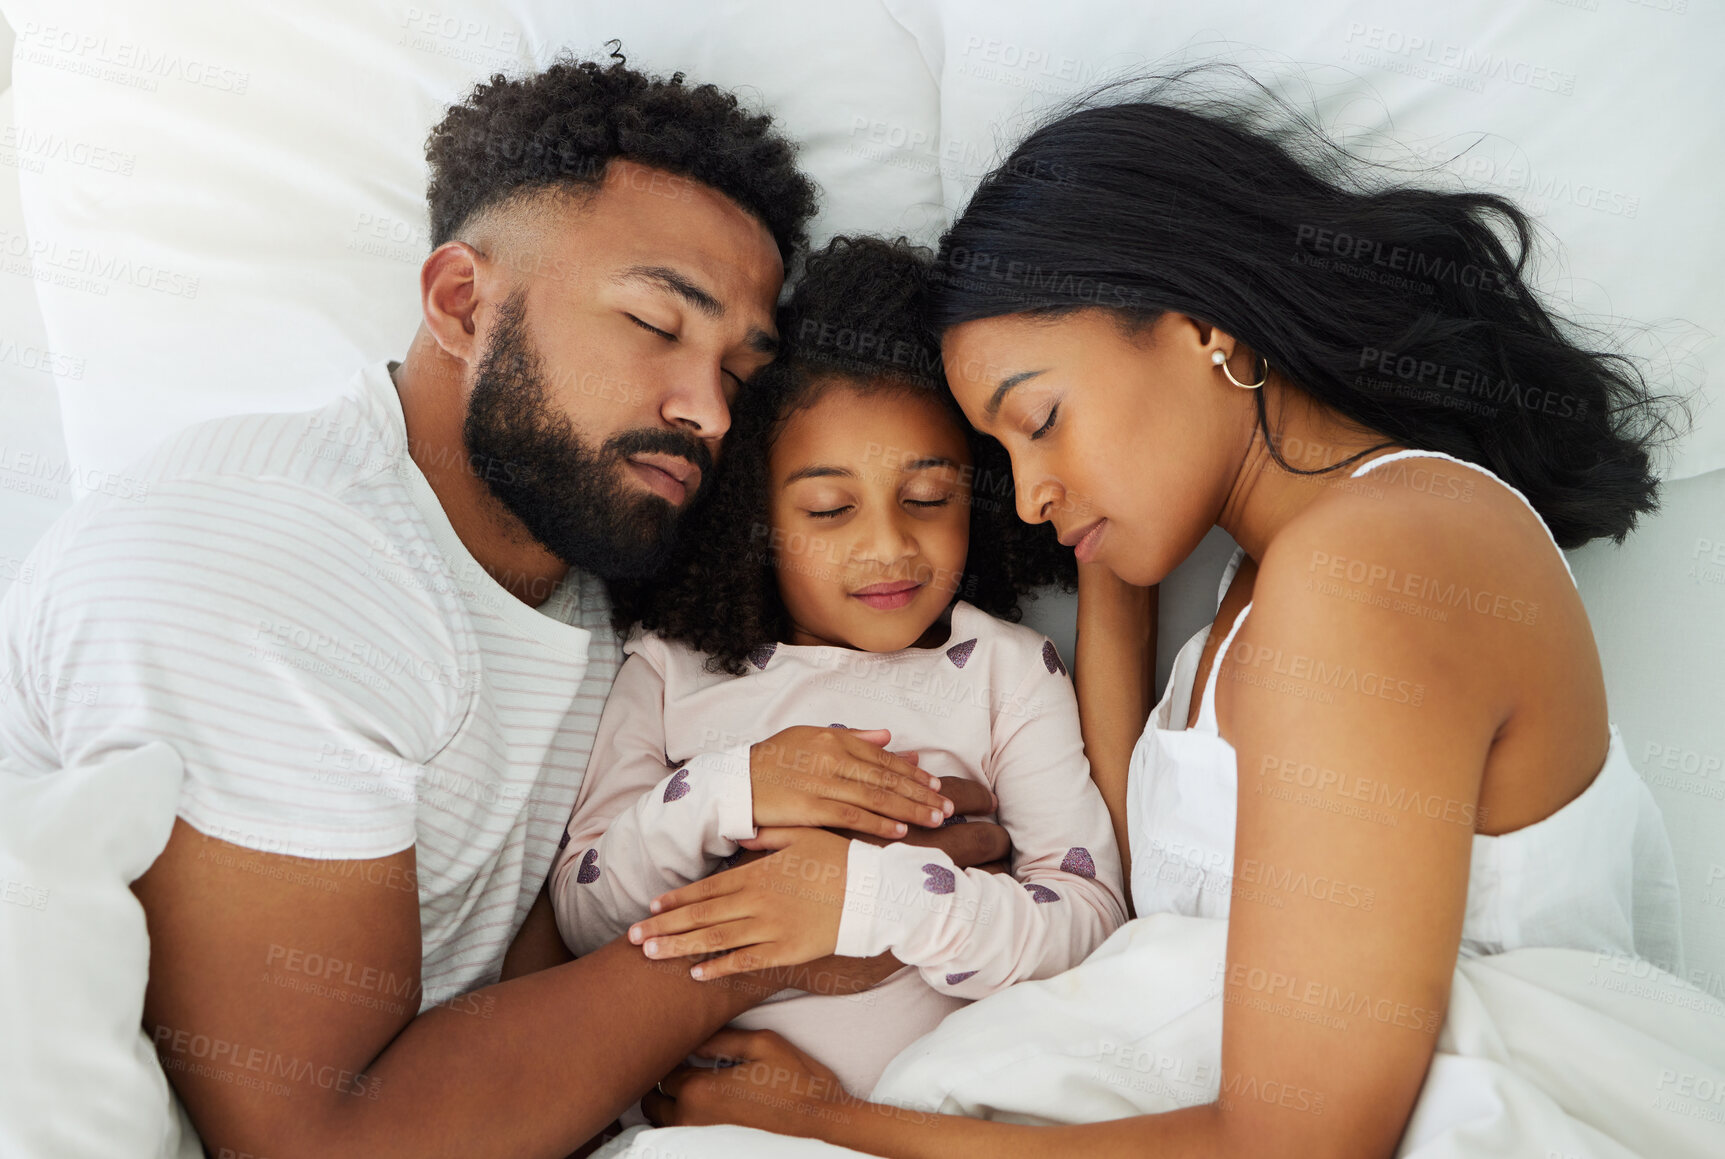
854	321
560	129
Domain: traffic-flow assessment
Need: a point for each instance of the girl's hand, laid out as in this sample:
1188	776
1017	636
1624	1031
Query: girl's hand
841	778
772	1086
977	844
782	910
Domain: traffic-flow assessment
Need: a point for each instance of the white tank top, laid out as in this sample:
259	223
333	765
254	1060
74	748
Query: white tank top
1597	874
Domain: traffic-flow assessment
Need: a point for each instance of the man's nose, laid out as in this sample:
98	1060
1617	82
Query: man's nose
697	403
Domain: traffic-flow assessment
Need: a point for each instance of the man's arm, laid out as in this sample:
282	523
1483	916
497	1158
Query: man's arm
283	1001
537	944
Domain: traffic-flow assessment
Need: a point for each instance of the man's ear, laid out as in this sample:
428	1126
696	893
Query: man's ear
448	296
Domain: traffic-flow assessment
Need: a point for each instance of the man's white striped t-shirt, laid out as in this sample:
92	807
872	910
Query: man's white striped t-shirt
284	601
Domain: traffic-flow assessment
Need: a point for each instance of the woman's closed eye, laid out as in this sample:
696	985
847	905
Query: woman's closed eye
1047	424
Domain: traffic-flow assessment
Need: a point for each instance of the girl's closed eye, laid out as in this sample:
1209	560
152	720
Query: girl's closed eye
835	512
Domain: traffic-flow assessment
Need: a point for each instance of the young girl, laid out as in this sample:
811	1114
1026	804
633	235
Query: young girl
821	588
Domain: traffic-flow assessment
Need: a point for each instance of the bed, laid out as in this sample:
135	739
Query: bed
216	206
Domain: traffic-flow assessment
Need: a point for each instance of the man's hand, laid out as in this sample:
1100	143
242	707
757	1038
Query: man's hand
841	778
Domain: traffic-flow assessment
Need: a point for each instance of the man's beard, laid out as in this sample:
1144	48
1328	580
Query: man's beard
574	500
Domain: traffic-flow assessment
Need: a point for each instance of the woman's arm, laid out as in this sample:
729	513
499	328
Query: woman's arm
1114	672
1344	930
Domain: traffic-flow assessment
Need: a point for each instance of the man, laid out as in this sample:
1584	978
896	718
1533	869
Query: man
377	634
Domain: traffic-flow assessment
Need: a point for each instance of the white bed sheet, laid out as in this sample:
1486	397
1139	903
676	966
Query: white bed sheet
1543	1053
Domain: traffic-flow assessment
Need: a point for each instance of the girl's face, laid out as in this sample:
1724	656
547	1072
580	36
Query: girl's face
870	513
1124	443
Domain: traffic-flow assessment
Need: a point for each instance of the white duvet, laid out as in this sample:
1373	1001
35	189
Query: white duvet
1548	1054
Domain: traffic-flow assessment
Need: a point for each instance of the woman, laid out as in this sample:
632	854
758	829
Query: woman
1173	319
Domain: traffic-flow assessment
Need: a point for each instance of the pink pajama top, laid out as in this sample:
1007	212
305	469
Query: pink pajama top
667	796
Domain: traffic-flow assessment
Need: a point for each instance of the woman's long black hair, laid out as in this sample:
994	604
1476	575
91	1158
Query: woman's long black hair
854	321
1404	309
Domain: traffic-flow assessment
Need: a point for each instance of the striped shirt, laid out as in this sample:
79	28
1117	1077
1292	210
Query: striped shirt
284	601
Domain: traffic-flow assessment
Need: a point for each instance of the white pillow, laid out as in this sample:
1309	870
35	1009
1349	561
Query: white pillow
255	228
78	1077
1658	609
33	492
1594	112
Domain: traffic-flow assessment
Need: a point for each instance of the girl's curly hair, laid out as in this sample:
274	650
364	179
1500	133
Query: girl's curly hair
854	320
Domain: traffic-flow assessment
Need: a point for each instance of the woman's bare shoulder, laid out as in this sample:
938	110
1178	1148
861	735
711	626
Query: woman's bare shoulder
1424	537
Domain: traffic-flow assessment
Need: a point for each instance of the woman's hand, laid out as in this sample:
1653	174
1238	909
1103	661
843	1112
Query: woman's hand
841	778
771	1085
779	911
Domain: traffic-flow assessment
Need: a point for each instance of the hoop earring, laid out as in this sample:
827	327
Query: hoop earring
1218	359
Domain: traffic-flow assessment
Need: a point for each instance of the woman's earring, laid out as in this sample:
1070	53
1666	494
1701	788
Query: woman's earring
1217	358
